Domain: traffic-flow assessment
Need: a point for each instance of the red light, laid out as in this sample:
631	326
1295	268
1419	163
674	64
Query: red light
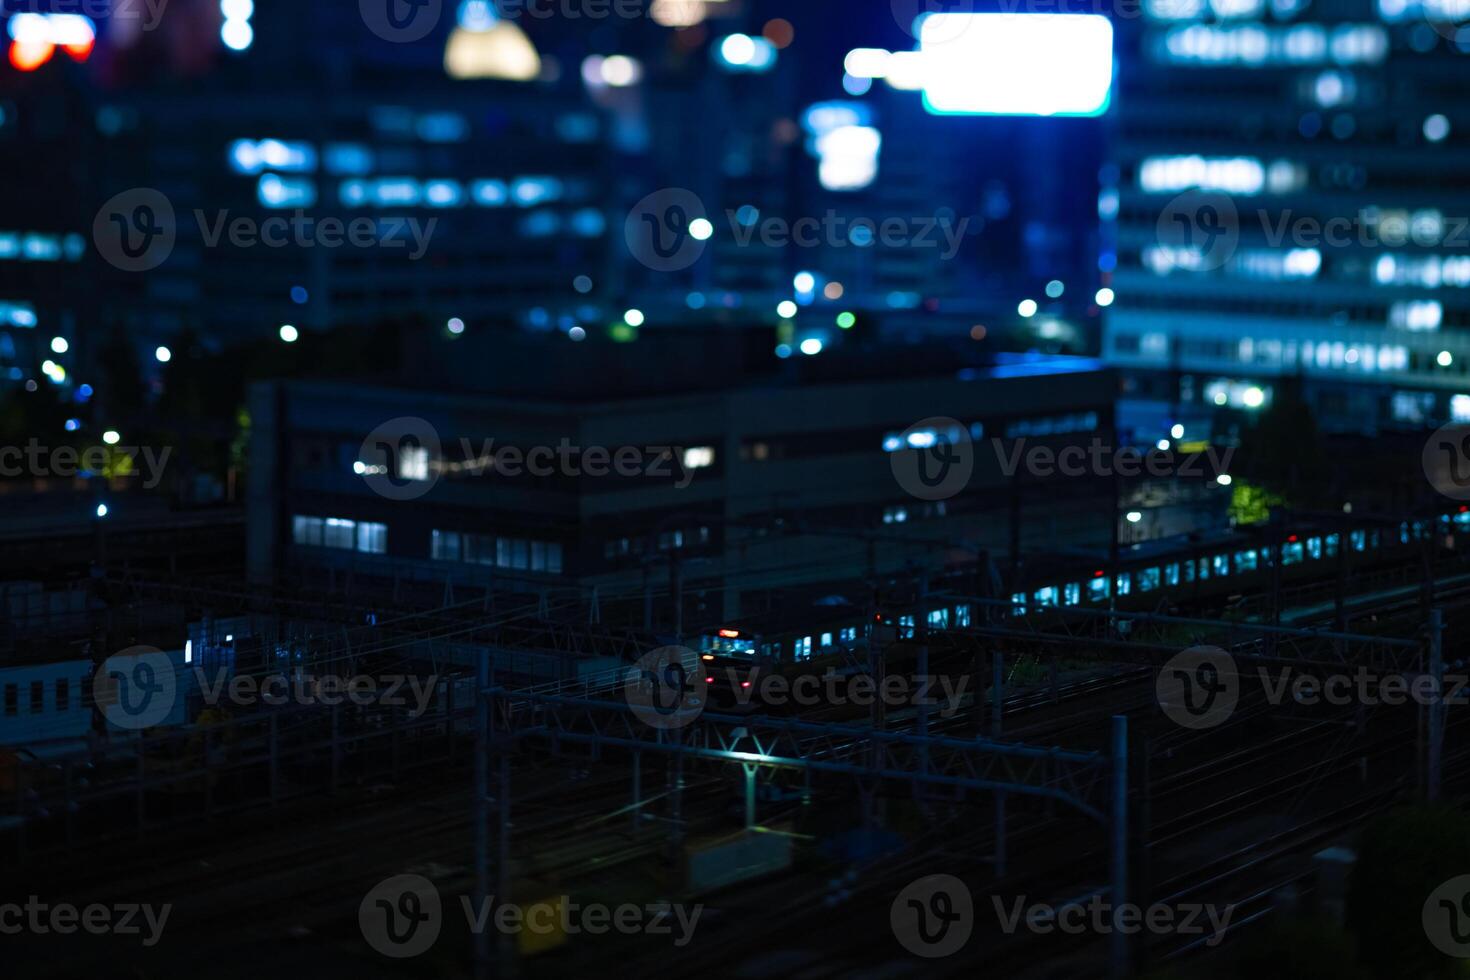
1464	507
1099	573
729	634
709	680
80	51
1291	539
745	683
30	55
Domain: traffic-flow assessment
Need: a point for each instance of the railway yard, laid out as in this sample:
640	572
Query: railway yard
267	834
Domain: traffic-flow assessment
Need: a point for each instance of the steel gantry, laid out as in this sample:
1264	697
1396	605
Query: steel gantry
1093	783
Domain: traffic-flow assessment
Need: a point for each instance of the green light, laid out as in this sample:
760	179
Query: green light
622	333
846	320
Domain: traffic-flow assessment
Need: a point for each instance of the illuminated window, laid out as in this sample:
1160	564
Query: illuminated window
699	457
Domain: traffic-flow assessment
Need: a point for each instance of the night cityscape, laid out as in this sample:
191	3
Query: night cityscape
735	488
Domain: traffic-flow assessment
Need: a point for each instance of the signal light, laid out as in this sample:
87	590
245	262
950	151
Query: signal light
709	680
730	634
30	55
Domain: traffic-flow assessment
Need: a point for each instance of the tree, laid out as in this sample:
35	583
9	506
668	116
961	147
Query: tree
1404	856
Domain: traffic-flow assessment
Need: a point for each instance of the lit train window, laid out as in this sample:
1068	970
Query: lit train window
1072	593
1189	570
962	615
1046	596
1291	553
939	618
826	639
1375	539
1097	589
1125	583
1404	533
1332	540
1018	601
1148	579
1222	565
1171	574
1245	561
1359	540
849	634
1314	548
804	648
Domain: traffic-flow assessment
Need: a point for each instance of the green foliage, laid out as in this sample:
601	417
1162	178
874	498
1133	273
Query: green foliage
1403	857
1251	504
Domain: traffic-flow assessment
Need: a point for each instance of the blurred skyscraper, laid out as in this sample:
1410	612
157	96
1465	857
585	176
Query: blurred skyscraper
1289	202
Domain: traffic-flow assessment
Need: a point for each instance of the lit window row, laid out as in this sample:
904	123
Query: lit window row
35	246
335	532
1227	175
1053	425
1257	45
929	438
522	192
1432	271
13	314
489	549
